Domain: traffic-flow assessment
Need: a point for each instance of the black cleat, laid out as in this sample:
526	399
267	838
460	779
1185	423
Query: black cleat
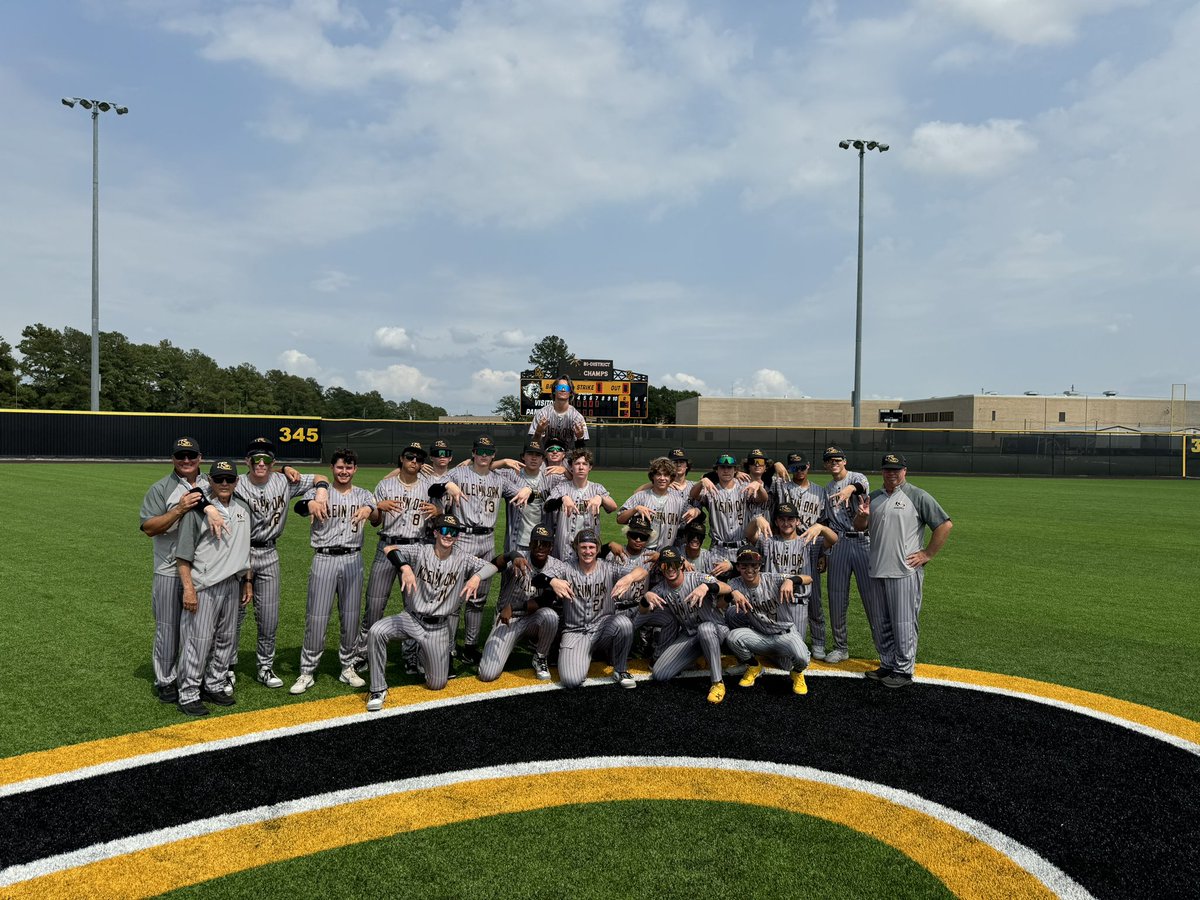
218	697
471	654
195	708
878	674
168	693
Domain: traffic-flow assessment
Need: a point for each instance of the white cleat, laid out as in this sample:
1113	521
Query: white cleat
375	701
836	656
303	683
350	677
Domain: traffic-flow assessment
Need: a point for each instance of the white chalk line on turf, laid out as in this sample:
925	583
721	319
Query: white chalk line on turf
1036	865
33	784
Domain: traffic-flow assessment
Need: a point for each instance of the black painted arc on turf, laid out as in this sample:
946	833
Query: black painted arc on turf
1114	809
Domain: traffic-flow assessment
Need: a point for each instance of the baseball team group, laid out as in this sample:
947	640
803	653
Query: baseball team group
754	592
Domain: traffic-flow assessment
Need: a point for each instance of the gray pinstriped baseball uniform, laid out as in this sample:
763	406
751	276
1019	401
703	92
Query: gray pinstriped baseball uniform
726	519
520	521
848	556
336	569
792	557
427	614
166	592
542	624
766	630
591	624
699	629
668	514
809	503
567	525
560	427
207	636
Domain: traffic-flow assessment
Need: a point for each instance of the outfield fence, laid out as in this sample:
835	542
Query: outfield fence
31	434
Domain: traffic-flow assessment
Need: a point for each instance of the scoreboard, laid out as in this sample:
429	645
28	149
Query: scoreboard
622	395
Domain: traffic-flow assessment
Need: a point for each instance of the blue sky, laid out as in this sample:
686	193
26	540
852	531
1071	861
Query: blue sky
404	196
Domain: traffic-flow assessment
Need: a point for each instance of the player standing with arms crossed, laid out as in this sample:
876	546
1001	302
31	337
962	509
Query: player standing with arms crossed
560	421
897	516
337	569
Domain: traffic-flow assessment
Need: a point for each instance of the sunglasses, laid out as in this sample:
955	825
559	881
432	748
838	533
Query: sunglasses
448	531
638	537
188	455
485	451
412	457
442	454
222	479
261	460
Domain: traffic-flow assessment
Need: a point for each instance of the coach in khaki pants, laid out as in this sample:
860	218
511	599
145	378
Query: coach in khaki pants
211	568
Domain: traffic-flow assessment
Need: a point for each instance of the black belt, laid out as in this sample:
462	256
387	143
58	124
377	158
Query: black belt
854	534
386	539
477	529
728	544
336	551
262	545
429	620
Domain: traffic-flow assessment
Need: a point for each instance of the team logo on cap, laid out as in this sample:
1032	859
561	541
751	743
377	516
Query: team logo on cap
833	453
484	441
446	520
786	511
748	555
223	466
756	454
540	533
669	556
184	442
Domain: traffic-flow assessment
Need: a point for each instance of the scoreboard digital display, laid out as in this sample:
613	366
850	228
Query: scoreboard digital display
624	395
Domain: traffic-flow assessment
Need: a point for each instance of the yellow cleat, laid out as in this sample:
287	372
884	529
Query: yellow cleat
716	693
751	676
799	685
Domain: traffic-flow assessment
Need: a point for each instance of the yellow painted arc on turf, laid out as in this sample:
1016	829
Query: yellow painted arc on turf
967	866
45	763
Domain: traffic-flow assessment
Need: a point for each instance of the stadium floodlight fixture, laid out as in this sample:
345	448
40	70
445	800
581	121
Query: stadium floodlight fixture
845	145
95	107
862	146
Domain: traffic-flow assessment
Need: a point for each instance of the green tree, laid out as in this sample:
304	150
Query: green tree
417	409
8	376
662	404
295	396
509	408
549	354
57	366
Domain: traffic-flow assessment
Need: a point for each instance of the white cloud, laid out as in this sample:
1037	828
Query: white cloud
514	338
330	281
296	363
766	383
392	339
463	335
682	381
494	383
960	149
1037	22
399	382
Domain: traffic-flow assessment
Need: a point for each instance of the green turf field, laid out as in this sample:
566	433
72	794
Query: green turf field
1089	583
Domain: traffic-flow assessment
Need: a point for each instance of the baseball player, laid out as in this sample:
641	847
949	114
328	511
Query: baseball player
523	610
792	486
404	504
850	553
214	573
760	473
336	569
591	624
575	503
477	493
786	552
435	578
897	516
666	509
269	496
533	474
761	624
689	598
560	420
726	501
165	505
696	557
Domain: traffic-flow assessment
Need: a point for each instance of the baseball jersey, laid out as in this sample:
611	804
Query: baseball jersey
520	521
518	589
726	514
439	581
767	615
406	520
269	503
753	507
593	593
161	496
841	518
898	521
479	505
689	617
668	515
706	560
559	426
567	525
214	560
338	529
638	590
782	557
808	500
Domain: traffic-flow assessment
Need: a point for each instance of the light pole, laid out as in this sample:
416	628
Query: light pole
862	147
95	107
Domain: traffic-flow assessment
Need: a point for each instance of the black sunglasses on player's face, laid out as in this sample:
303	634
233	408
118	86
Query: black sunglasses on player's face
187	455
412	457
448	531
442	454
222	479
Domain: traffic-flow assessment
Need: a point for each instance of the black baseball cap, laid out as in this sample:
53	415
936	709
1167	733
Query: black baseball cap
678	455
185	445
484	442
415	447
260	446
446	520
587	536
223	467
748	555
639	524
755	454
893	461
669	556
441	448
832	453
533	446
796	462
725	459
786	511
541	533
695	527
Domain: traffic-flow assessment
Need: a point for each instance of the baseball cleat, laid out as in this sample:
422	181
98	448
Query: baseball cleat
624	679
736	669
836	655
753	670
194	708
541	668
716	693
375	701
895	680
303	683
799	685
819	651
360	665
412	667
350	677
877	674
471	654
218	697
268	678
168	693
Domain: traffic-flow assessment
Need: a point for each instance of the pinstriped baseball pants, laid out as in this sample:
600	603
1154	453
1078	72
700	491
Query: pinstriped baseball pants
848	556
787	649
674	659
433	642
542	624
166	600
612	633
893	613
207	638
483	546
379	590
264	561
330	575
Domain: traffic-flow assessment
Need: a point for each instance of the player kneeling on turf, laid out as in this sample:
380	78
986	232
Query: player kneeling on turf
435	578
761	623
519	611
688	597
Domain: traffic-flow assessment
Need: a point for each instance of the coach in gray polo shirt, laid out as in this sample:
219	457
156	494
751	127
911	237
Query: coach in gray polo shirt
211	570
896	516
